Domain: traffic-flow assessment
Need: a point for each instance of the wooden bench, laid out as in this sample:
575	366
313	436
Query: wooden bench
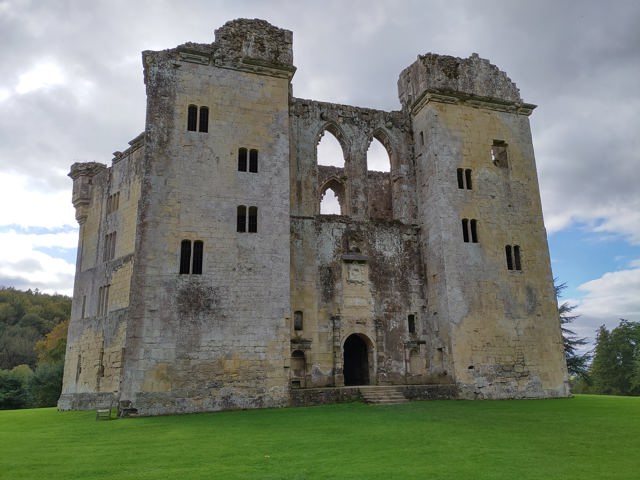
103	413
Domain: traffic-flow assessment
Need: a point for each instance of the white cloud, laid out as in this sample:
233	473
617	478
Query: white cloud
23	266
28	203
43	75
607	299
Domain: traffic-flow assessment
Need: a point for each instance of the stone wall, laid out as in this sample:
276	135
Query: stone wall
106	201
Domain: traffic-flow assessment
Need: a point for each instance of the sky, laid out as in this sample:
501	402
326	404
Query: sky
71	89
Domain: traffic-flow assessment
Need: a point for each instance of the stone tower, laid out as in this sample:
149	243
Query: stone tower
207	278
490	287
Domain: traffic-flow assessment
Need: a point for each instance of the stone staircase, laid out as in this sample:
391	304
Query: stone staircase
382	394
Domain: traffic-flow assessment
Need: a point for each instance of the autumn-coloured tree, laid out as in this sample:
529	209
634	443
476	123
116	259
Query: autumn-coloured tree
52	347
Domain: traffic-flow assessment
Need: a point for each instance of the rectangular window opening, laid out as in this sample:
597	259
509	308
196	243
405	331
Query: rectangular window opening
253	219
474	231
204	120
253	160
467	176
465	230
460	179
507	251
185	257
192	118
297	320
499	153
411	320
103	300
516	257
242	159
242	219
198	250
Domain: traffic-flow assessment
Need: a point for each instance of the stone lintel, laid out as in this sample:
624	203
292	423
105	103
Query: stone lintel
355	257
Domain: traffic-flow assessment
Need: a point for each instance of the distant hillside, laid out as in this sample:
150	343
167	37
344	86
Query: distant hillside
25	318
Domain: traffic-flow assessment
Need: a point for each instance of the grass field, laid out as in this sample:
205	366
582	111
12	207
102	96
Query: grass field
586	437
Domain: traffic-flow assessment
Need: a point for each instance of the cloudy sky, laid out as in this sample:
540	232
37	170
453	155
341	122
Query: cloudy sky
71	90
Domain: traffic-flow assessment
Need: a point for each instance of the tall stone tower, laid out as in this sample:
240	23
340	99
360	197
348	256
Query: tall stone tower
211	268
490	287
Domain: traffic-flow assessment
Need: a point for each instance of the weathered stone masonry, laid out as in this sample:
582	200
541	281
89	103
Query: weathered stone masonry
207	279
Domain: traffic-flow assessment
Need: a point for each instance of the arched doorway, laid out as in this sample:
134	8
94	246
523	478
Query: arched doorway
356	361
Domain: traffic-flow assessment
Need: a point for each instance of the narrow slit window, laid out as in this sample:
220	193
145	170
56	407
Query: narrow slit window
467	176
198	250
465	230
192	118
185	256
507	251
253	219
516	257
411	321
297	320
242	159
253	160
460	178
242	218
204	120
109	250
103	300
474	231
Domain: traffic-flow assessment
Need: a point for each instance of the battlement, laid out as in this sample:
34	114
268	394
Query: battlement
473	76
256	40
242	44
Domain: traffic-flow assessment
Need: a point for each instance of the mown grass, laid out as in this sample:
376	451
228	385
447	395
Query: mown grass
586	437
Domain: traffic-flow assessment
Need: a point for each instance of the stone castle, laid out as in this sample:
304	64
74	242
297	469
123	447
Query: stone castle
207	278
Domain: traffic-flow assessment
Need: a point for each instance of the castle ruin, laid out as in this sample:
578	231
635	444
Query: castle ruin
207	278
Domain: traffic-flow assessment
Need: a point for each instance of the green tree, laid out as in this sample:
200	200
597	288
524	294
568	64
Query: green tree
25	317
14	388
16	346
615	363
45	384
577	363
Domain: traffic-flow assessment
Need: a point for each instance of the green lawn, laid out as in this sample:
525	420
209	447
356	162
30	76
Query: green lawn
586	437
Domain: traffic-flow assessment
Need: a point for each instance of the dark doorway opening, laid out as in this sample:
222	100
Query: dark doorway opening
356	361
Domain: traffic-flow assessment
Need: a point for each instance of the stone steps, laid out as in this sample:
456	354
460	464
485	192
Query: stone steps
382	395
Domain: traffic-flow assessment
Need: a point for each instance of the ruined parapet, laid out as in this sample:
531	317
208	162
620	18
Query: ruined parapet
82	175
254	41
242	44
473	77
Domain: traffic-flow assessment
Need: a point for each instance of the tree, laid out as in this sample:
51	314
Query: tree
14	392
577	363
45	384
52	347
617	357
33	334
25	317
